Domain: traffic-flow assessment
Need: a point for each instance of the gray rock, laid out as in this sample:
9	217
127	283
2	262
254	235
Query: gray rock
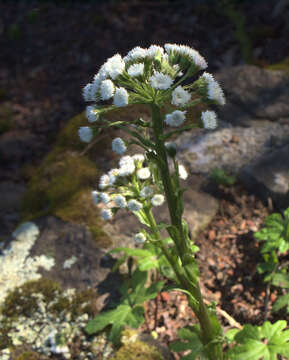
252	139
253	92
270	178
62	241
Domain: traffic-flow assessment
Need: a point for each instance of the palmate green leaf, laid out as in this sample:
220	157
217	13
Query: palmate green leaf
281	302
118	318
264	342
190	340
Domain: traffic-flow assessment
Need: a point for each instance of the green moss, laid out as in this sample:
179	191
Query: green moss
137	351
283	65
28	355
21	302
6	117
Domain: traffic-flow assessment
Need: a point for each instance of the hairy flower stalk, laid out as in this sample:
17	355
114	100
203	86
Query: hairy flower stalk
153	77
189	281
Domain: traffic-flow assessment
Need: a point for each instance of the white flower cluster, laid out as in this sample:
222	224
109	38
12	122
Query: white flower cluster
158	68
118	183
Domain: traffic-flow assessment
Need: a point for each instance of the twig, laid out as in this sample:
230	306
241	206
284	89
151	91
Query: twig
90	145
228	317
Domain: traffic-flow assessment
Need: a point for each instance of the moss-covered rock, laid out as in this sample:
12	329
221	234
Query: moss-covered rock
283	65
137	350
63	183
6	117
24	302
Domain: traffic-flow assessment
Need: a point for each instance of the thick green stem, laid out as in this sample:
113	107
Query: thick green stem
187	280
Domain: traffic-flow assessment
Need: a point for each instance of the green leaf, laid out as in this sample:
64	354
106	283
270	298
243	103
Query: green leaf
281	302
131	252
264	342
281	280
190	340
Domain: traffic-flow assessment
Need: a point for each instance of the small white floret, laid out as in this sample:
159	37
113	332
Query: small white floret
183	174
180	97
153	50
143	173
138	158
161	81
120	97
209	119
135	54
103	181
85	134
95	197
214	90
139	238
118	146
104	198
91	114
136	70
114	66
120	201
146	192
158	200
134	205
176	118
106	214
86	92
106	89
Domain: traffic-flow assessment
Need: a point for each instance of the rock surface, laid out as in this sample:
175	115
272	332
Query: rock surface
254	125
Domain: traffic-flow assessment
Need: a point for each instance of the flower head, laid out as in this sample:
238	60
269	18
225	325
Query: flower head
120	201
135	54
186	51
106	214
139	238
104	198
85	134
161	81
106	89
134	205
112	175
136	70
138	158
118	146
95	197
158	199
209	119
114	66
180	96
86	92
146	192
214	90
91	114
176	118
120	97
143	173
103	182
127	166
153	50
183	174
